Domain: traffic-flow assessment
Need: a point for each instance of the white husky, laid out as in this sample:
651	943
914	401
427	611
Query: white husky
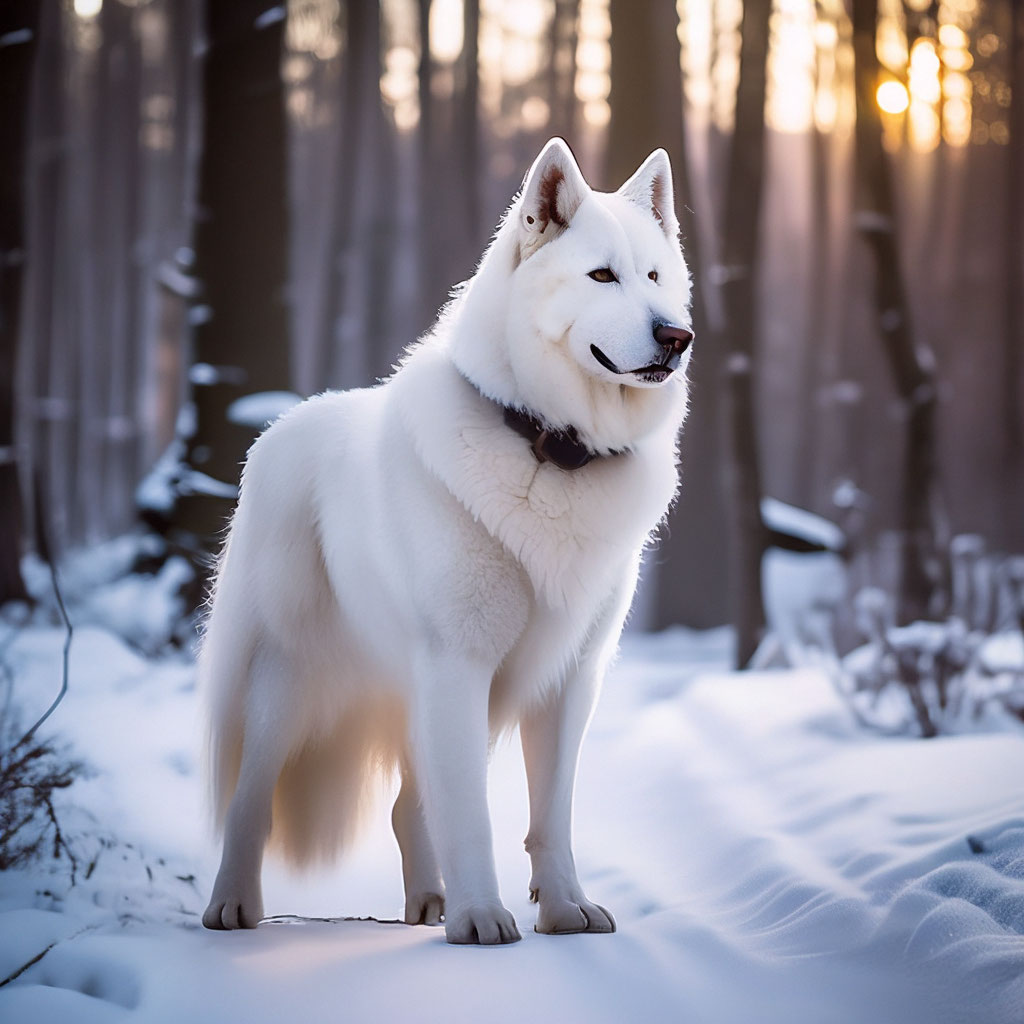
417	566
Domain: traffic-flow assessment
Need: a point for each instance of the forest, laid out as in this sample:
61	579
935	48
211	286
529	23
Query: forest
208	203
800	791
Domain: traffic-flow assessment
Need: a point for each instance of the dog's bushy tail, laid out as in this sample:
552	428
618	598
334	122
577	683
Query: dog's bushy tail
336	755
327	787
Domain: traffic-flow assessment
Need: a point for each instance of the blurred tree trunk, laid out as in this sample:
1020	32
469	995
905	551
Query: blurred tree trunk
123	182
939	183
85	382
562	68
344	363
1013	381
19	28
922	20
46	284
379	328
168	148
913	366
428	200
738	282
820	282
690	583
717	139
241	327
362	348
107	444
67	291
468	123
183	20
448	175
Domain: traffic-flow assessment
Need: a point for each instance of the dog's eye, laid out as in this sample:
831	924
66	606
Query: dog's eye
653	275
604	275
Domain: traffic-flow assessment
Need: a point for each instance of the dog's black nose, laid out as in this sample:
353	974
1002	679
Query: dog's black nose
672	339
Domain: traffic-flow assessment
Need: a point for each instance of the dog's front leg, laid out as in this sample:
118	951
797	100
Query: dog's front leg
450	738
551	737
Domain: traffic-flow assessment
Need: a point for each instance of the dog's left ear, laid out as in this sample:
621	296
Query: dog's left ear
651	188
552	193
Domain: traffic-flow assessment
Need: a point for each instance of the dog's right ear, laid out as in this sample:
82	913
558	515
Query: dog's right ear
552	193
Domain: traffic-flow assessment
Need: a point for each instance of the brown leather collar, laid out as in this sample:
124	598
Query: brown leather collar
562	448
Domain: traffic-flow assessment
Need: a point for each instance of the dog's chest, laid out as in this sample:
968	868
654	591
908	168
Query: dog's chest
553	643
563	528
572	532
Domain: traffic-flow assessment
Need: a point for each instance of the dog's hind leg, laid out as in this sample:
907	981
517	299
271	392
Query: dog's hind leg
424	889
237	900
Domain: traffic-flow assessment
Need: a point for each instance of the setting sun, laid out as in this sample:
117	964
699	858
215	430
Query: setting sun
892	97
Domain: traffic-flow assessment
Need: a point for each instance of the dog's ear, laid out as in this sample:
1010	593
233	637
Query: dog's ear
651	188
552	193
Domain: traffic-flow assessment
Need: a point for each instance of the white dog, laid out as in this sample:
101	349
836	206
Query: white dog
417	566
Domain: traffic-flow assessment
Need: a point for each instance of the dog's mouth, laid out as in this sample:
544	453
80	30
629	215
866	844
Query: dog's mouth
653	373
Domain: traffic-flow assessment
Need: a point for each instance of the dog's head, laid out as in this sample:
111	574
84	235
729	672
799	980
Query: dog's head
603	272
595	295
579	311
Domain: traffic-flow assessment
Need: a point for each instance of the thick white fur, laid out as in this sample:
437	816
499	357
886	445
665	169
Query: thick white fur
403	579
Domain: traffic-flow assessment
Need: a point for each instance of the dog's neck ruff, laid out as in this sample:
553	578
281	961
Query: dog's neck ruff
562	448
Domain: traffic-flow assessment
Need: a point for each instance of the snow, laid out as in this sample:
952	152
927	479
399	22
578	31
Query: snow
796	587
798	522
16	38
260	409
767	860
800	587
145	611
193	481
271	16
155	492
1003	652
176	278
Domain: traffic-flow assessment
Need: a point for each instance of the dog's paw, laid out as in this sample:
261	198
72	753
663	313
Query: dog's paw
569	917
424	908
225	913
484	924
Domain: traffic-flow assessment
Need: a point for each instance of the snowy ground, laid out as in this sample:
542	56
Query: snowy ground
766	861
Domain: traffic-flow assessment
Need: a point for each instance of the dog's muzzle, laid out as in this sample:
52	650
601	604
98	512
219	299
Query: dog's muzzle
673	341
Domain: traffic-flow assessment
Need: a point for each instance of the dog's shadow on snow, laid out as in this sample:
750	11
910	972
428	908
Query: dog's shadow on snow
298	919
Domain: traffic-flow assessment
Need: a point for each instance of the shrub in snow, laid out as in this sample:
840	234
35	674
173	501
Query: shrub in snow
939	676
32	770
